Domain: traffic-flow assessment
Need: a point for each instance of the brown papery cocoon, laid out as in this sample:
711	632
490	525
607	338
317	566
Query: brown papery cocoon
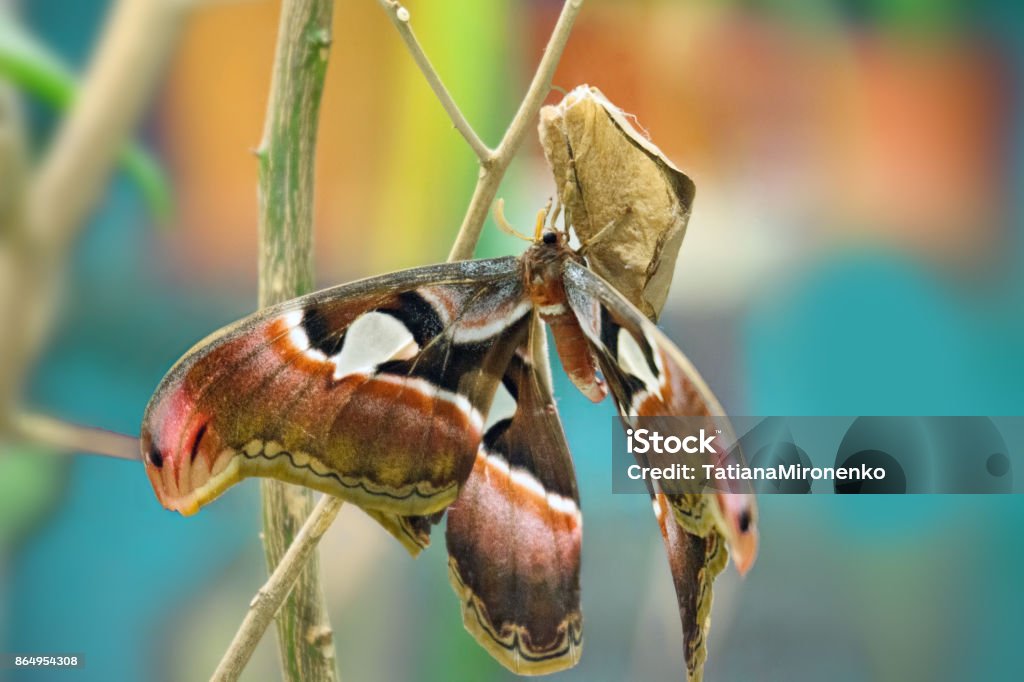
627	203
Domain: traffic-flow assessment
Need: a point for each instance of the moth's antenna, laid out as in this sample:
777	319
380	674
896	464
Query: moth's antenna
503	225
542	216
553	215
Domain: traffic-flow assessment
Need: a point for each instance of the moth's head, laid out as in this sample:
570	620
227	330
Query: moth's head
185	458
737	519
550	246
546	237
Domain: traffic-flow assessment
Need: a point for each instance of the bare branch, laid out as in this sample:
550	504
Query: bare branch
67	437
399	16
492	173
273	593
287	157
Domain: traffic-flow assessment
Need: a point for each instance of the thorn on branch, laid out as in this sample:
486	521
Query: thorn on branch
319	636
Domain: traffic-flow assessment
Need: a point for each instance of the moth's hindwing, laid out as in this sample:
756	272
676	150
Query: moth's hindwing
373	391
514	535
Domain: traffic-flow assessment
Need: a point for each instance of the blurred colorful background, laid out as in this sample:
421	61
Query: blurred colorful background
855	248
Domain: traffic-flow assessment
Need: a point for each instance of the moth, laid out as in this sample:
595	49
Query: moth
428	390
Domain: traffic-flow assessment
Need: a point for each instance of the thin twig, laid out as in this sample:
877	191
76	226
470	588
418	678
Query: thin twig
285	573
399	16
67	437
273	593
492	173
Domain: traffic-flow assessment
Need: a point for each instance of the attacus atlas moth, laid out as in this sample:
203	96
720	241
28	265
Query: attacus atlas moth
418	392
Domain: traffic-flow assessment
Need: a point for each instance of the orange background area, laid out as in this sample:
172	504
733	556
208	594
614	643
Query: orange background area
846	135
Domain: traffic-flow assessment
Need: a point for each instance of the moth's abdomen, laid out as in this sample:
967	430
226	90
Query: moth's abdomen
574	352
542	272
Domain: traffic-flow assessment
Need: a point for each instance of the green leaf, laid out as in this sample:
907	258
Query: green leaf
37	71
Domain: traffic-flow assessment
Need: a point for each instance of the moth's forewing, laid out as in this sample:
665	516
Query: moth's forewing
694	561
649	377
374	391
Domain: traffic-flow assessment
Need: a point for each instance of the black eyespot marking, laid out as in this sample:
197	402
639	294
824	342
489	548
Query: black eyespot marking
469	357
195	443
418	316
320	334
550	238
155	458
744	521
